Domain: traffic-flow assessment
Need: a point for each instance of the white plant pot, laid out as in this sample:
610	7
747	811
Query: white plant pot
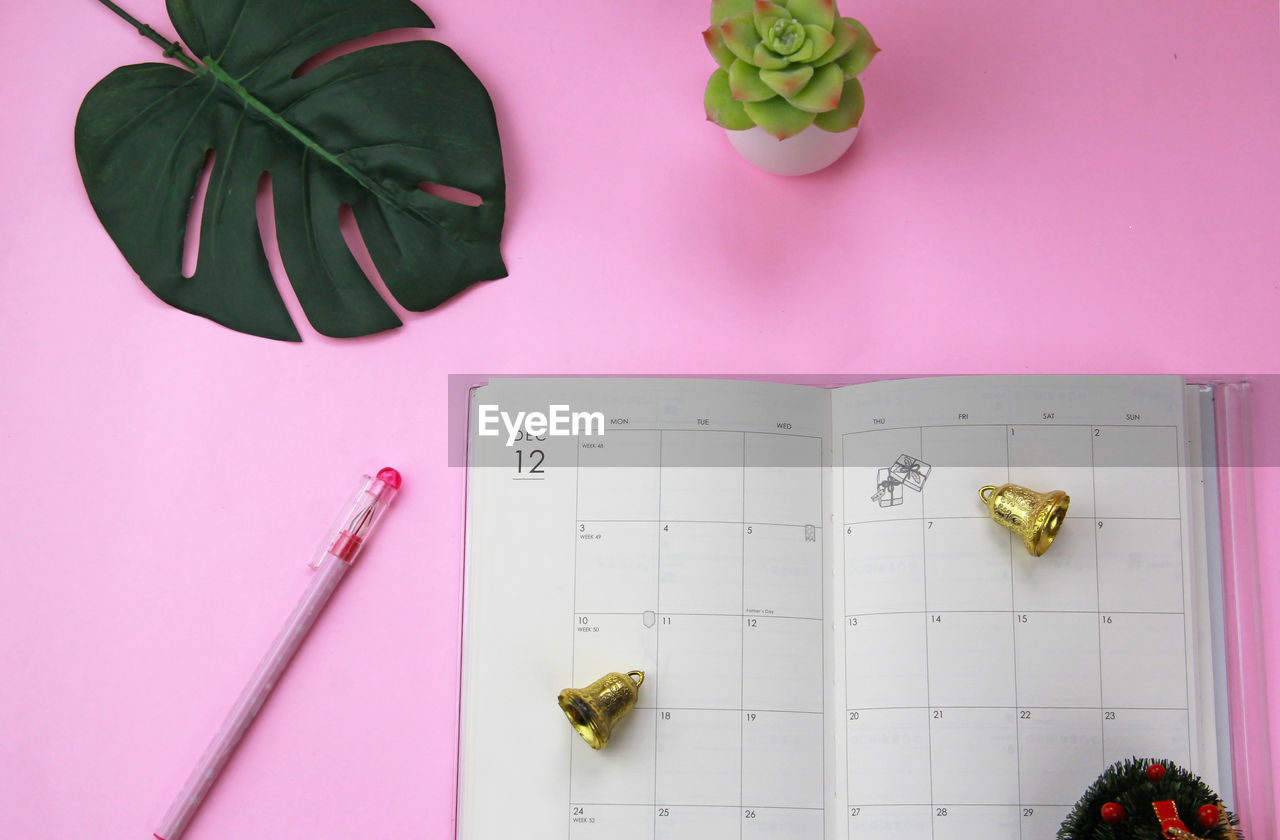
806	152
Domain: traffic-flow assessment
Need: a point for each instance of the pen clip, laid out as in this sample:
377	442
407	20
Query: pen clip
358	518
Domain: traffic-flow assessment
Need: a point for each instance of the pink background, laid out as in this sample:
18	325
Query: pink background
1059	186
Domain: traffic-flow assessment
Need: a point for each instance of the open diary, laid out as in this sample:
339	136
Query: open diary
837	640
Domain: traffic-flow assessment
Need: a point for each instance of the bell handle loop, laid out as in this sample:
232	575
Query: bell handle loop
986	492
637	677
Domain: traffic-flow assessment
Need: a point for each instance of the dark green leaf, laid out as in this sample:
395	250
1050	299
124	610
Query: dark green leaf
365	129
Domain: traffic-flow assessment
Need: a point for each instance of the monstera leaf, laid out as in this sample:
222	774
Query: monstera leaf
370	130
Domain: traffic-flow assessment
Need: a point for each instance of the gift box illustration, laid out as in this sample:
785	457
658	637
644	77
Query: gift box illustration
905	471
888	489
911	472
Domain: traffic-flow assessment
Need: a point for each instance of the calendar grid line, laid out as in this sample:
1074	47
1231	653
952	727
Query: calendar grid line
1013	627
744	710
587	803
713	615
657	639
981	517
924	583
963	804
742	647
988	612
669	521
618	430
844	563
1019	707
1034	425
826	580
573	646
1186	650
1097	589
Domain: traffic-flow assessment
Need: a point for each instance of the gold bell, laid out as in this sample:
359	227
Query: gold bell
596	709
1036	517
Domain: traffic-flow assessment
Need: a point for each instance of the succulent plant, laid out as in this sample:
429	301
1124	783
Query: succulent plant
785	65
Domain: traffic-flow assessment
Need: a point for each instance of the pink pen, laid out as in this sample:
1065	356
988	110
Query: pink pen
334	557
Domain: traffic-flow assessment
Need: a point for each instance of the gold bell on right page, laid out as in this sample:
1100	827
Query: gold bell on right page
596	709
1036	517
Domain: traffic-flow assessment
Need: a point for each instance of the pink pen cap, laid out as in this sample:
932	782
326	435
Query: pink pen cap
359	516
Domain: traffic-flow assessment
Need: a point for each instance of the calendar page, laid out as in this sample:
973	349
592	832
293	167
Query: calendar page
982	689
836	640
687	540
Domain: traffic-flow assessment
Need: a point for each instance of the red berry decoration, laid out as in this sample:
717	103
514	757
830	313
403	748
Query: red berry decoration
1208	815
1156	772
1112	812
